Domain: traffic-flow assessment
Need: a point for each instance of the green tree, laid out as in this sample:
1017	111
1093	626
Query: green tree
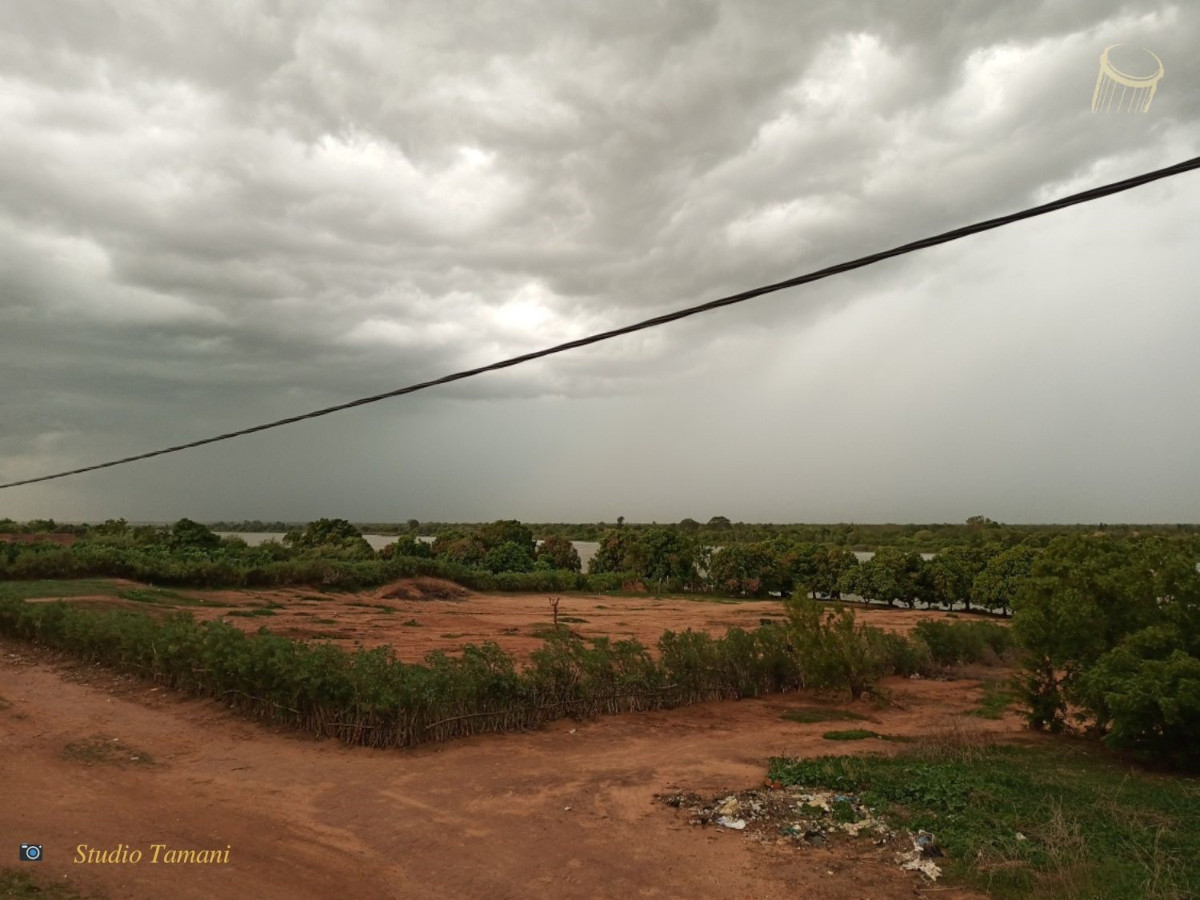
828	566
192	535
747	569
833	649
335	538
903	574
466	550
951	574
1106	622
558	553
505	531
1001	578
873	581
509	557
668	556
407	546
616	552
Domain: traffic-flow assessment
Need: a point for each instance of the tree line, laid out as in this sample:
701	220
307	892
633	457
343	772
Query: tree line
1107	627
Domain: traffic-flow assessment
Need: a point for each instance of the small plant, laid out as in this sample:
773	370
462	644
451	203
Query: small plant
997	697
853	734
810	715
843	811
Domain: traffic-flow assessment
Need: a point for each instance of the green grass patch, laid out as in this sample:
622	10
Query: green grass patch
716	598
853	734
997	697
22	883
1049	821
248	613
572	620
159	596
60	588
810	715
411	623
451	636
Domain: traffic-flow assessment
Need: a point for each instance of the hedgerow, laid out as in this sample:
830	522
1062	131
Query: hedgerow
370	697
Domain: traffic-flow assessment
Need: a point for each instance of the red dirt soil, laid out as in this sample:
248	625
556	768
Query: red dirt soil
565	812
41	537
418	615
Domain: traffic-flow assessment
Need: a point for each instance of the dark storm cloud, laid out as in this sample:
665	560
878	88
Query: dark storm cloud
212	215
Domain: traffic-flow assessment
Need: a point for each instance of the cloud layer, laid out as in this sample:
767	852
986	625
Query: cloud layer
213	216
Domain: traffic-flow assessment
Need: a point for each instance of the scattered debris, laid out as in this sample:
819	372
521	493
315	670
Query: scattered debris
729	806
804	817
920	857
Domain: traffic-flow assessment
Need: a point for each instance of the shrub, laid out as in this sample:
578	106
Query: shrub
955	643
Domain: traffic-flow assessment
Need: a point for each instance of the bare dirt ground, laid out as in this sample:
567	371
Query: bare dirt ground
417	615
90	757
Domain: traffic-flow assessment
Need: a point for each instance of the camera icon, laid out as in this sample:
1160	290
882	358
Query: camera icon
31	853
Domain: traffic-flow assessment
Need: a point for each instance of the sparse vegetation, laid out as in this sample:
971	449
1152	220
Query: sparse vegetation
1046	821
105	751
22	883
853	734
811	715
998	696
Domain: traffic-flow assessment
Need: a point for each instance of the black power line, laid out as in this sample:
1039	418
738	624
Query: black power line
945	238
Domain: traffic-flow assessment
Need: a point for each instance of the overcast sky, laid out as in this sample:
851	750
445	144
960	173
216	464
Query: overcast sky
216	214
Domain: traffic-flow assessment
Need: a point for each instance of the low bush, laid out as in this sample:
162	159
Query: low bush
959	642
370	697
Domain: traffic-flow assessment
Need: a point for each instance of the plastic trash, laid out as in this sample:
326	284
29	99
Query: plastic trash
729	807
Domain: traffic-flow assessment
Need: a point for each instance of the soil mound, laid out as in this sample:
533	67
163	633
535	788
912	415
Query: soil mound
41	537
423	588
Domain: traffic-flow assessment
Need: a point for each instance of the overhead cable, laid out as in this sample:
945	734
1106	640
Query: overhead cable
1095	193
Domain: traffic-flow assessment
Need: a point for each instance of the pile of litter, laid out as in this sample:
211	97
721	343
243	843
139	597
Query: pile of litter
810	818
